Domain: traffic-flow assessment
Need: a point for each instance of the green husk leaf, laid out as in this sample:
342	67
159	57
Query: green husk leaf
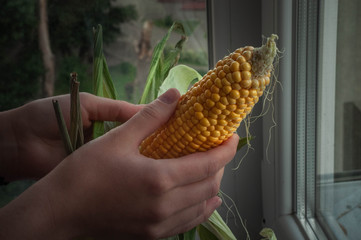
204	233
160	65
243	141
180	77
102	81
172	238
190	235
268	234
217	227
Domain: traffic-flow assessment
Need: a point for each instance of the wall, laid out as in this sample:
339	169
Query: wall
237	23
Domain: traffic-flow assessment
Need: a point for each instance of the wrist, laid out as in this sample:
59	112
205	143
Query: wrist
8	146
35	214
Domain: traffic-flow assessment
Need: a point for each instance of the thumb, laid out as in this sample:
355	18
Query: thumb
151	117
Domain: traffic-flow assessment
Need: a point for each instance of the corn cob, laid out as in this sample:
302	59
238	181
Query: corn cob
213	108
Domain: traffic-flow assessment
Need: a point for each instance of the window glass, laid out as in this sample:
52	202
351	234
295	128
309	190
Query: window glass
131	29
339	174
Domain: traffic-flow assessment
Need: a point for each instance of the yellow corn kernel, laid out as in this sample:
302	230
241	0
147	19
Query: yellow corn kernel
247	55
226	81
226	69
201	127
241	59
215	97
216	110
221	74
246	75
220	106
212	121
236	86
224	100
218	82
234	66
205	122
236	76
244	93
245	66
222	122
199	115
246	83
201	138
210	103
234	94
211	128
235	55
227	89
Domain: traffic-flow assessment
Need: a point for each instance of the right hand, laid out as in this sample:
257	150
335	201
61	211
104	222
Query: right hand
107	189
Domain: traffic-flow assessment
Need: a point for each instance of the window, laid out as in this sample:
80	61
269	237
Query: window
338	194
315	166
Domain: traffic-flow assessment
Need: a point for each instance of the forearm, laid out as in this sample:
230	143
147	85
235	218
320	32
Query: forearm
32	216
8	144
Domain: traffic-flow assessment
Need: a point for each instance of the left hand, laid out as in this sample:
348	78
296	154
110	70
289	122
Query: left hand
31	143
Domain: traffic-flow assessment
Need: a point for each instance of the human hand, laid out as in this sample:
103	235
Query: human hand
31	142
107	189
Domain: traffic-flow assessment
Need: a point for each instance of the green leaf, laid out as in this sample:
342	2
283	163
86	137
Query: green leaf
102	81
190	235
243	141
268	234
180	77
172	238
217	227
205	234
160	64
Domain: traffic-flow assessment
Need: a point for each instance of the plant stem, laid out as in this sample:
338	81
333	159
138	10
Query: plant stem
62	126
74	111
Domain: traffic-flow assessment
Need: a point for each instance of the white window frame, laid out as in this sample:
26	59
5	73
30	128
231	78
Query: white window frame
278	167
289	176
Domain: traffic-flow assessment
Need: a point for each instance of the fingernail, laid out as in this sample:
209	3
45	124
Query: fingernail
169	96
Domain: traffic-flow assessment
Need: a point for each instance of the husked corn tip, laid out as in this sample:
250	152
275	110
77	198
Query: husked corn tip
213	108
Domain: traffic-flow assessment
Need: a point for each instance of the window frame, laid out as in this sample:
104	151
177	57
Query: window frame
277	167
289	177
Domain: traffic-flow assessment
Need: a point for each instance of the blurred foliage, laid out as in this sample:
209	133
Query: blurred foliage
167	21
198	58
71	38
20	64
67	65
123	76
71	23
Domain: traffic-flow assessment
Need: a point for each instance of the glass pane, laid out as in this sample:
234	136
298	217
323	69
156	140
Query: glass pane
339	202
131	29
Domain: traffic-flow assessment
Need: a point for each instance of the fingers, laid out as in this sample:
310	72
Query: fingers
183	197
193	216
150	118
105	109
200	165
185	220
